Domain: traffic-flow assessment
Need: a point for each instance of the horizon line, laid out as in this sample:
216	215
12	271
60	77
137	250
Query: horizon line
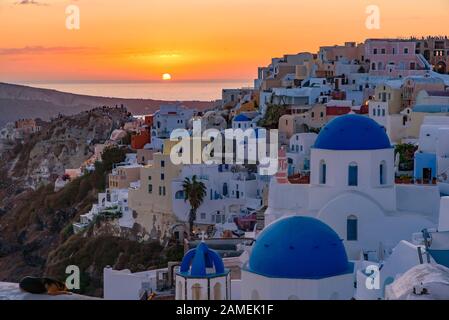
112	81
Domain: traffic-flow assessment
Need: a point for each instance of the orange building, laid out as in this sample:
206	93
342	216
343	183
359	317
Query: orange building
140	139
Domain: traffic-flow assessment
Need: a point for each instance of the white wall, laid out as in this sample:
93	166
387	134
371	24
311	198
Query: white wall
443	224
337	164
206	284
424	199
332	288
123	285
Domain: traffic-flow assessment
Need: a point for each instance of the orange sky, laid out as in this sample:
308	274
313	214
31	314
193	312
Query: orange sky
190	39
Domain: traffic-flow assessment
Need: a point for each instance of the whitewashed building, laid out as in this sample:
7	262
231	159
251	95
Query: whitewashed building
297	258
353	190
170	117
298	153
113	202
229	193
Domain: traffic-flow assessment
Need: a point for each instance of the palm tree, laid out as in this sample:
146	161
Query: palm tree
194	192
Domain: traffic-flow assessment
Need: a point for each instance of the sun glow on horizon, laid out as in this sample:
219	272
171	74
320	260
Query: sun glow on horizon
148	41
166	77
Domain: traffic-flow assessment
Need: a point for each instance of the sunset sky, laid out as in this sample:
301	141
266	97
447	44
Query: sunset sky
189	39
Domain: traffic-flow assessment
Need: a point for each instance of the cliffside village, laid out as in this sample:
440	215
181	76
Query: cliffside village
362	182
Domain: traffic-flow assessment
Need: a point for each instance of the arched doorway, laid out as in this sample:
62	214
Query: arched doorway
217	291
180	290
196	291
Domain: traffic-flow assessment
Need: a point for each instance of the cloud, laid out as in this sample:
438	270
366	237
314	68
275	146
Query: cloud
33	2
42	50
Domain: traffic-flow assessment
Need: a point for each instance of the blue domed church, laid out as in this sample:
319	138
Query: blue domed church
352	189
298	258
202	276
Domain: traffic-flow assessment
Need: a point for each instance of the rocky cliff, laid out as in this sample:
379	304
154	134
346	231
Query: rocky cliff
36	236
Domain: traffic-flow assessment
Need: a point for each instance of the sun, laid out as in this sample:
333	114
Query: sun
166	76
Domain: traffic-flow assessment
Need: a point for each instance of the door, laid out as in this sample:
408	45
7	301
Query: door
426	175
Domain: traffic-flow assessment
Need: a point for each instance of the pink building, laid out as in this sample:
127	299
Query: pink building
350	51
395	58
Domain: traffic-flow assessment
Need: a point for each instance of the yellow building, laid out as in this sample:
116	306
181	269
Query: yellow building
121	177
391	94
151	202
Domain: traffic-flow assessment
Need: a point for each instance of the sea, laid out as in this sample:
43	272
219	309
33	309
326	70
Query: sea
157	90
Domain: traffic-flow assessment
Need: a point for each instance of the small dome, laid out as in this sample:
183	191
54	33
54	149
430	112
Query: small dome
196	262
241	118
352	132
299	247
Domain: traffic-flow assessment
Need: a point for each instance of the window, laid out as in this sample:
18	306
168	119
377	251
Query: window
375	51
383	173
162	163
160	190
383	112
353	174
374	112
383	51
225	189
351	228
149	178
179	194
412	66
373	66
150	188
163	191
162	176
203	216
405	50
323	172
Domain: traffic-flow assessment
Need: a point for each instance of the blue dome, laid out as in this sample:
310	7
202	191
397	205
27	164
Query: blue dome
241	118
352	132
299	248
196	262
